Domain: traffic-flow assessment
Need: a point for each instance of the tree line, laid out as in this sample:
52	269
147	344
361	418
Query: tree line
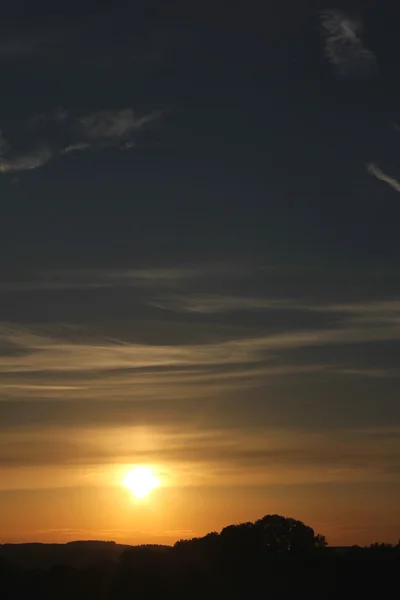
274	557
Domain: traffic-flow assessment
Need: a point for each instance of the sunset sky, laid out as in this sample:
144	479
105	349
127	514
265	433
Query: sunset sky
200	267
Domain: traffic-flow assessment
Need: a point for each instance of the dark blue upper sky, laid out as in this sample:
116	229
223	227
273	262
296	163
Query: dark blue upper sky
259	147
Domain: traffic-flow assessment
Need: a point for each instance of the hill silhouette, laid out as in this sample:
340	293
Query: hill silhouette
274	557
79	553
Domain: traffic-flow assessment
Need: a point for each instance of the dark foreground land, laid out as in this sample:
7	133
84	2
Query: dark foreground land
274	557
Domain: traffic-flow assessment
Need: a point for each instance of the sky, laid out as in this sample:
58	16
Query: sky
199	268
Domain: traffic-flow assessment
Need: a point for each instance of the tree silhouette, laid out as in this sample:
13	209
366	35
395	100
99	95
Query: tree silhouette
279	535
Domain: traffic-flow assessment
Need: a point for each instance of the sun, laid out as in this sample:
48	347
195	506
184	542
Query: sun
140	481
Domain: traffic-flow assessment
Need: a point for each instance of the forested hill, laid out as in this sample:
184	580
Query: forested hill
75	554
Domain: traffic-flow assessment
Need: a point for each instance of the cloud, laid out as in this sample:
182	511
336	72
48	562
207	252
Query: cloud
36	41
100	130
150	277
78	147
21	47
344	47
156	274
374	373
50	285
382	310
4	144
214	303
378	307
27	162
58	115
136	365
128	146
92	279
379	174
113	125
272	453
44	352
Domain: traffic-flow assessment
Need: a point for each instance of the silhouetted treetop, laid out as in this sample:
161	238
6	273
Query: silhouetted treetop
273	535
281	534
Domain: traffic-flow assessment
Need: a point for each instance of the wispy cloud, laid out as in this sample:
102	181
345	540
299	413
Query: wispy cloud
38	41
214	303
41	352
4	144
382	310
58	115
99	130
27	162
379	174
264	455
344	47
145	357
150	277
78	147
114	125
49	284
157	274
12	47
371	373
127	146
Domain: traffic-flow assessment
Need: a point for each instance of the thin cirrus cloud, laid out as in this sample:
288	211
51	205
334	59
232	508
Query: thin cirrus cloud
4	144
45	40
113	125
78	147
23	46
213	446
214	303
151	277
343	45
257	458
217	303
32	351
374	170
58	115
101	363
99	130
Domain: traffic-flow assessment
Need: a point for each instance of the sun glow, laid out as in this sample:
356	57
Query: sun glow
140	481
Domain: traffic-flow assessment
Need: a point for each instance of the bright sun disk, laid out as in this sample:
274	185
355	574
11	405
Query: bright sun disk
140	481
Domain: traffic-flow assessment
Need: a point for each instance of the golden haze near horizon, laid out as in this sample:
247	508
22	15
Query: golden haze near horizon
202	483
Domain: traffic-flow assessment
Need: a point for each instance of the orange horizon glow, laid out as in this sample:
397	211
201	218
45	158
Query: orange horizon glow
192	498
